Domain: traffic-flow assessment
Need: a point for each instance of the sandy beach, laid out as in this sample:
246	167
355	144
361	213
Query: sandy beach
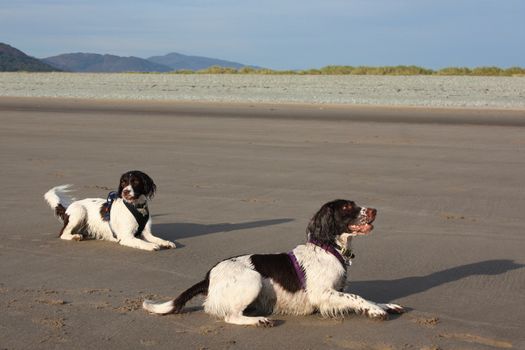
241	178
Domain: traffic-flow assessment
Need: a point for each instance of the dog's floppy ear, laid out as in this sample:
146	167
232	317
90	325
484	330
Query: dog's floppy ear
120	186
149	186
322	226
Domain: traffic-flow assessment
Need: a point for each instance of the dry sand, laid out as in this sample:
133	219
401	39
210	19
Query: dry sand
236	179
419	90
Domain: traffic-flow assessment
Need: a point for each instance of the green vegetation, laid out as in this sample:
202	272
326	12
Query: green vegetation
365	70
454	71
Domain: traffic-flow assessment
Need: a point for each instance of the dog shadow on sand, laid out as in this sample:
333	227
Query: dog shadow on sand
385	290
180	230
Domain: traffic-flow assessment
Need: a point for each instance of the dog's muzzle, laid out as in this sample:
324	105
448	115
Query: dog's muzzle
364	223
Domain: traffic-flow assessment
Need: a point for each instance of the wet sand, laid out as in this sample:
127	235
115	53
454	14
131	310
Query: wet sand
235	179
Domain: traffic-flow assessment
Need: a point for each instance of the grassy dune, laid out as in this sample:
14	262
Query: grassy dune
367	70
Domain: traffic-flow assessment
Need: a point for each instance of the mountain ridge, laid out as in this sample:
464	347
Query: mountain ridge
103	63
93	62
178	61
14	60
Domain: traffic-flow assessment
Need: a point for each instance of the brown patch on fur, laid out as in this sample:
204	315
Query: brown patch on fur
60	211
104	209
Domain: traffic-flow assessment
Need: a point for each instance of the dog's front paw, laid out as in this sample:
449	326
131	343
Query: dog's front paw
265	322
157	247
152	247
392	308
376	312
69	237
168	245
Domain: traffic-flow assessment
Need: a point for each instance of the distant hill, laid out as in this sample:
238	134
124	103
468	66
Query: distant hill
14	60
177	61
92	62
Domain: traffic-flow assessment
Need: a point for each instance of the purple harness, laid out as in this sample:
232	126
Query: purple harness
330	249
299	269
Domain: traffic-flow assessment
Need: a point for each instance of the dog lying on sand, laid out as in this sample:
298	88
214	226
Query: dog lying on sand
308	279
124	217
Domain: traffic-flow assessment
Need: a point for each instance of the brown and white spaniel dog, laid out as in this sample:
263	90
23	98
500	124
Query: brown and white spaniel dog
123	217
244	289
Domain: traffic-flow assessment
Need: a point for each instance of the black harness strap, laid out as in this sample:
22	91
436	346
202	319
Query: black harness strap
142	219
106	207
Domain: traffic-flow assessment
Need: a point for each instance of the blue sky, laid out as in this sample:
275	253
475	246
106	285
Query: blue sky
279	34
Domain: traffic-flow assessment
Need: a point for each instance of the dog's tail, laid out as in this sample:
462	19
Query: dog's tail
59	200
175	306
